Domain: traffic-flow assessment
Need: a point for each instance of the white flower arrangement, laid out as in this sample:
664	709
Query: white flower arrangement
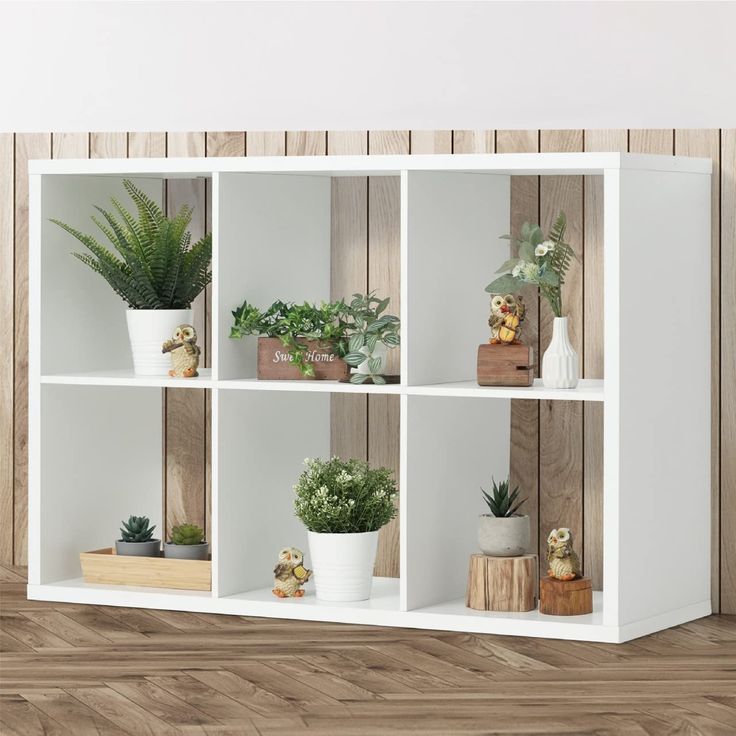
340	497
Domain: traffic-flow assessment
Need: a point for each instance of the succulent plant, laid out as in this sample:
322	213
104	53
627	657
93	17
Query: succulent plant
187	534
500	502
137	529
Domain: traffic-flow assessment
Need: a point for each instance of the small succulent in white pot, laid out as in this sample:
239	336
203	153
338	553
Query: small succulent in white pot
136	538
187	543
503	532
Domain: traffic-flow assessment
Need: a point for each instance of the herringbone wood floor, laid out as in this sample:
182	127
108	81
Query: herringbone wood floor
81	670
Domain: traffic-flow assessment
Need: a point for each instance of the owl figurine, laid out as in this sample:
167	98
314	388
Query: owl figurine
290	574
507	314
563	562
184	352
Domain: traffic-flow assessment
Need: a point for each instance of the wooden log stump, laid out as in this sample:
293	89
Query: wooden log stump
505	365
565	597
502	583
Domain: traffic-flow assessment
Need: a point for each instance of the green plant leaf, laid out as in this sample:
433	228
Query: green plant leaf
379	380
526	252
358	377
391	340
355	359
356	342
503	285
507	265
374	365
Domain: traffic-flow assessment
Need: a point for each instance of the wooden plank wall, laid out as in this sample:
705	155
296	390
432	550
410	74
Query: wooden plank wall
560	470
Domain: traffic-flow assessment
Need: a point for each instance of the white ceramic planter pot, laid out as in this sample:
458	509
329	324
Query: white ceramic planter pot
343	565
507	536
148	329
560	363
380	351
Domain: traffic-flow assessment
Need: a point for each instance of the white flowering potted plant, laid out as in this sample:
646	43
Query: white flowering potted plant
343	504
153	267
544	262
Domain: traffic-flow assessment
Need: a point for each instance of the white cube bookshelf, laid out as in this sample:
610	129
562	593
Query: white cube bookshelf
95	428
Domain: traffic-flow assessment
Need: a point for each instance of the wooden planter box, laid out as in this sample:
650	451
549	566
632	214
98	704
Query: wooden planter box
274	361
105	567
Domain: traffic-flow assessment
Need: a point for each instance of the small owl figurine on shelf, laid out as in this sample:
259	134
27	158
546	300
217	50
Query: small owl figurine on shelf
290	574
507	314
184	352
563	561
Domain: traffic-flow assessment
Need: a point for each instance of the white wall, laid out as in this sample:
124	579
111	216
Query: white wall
344	65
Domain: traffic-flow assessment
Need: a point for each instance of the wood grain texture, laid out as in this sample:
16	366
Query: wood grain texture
265	143
561	423
185	410
473	141
505	365
348	275
660	141
7	343
565	598
502	583
431	141
306	143
728	374
146	145
524	451
27	146
100	670
595	140
706	143
108	145
384	263
225	143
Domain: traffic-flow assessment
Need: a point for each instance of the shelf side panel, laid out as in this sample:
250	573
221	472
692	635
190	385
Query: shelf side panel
663	393
453	447
263	438
83	325
453	222
100	464
273	242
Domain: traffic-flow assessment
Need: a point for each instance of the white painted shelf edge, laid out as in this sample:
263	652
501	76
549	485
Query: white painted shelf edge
588	389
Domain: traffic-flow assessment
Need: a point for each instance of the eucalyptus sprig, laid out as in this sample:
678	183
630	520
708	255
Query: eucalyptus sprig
541	262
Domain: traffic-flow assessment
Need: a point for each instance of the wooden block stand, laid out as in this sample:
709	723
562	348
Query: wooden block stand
104	567
565	597
502	583
505	365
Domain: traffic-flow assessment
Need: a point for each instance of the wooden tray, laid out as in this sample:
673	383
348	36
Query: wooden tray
105	567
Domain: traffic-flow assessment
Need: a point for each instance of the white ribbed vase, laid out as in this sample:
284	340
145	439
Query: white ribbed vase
343	565
148	329
560	363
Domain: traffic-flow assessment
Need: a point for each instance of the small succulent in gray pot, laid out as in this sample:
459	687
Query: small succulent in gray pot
187	543
137	538
503	532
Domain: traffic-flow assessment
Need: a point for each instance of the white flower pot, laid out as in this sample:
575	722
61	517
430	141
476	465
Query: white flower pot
148	329
560	363
507	536
343	565
380	351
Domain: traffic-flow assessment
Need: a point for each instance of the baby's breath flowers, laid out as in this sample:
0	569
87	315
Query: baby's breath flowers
340	497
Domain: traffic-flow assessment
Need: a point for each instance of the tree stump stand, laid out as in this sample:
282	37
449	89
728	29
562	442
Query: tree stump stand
565	597
502	583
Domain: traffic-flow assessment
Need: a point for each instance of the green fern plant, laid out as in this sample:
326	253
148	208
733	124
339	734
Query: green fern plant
137	529
500	502
187	534
154	265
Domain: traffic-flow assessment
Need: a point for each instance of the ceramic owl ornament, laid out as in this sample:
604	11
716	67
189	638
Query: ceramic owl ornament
507	315
184	352
562	560
290	574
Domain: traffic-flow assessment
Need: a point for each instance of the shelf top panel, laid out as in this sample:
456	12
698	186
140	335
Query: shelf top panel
375	165
127	377
588	389
336	387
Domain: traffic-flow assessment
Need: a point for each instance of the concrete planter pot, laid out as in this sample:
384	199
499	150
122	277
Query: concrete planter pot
507	536
152	548
187	551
